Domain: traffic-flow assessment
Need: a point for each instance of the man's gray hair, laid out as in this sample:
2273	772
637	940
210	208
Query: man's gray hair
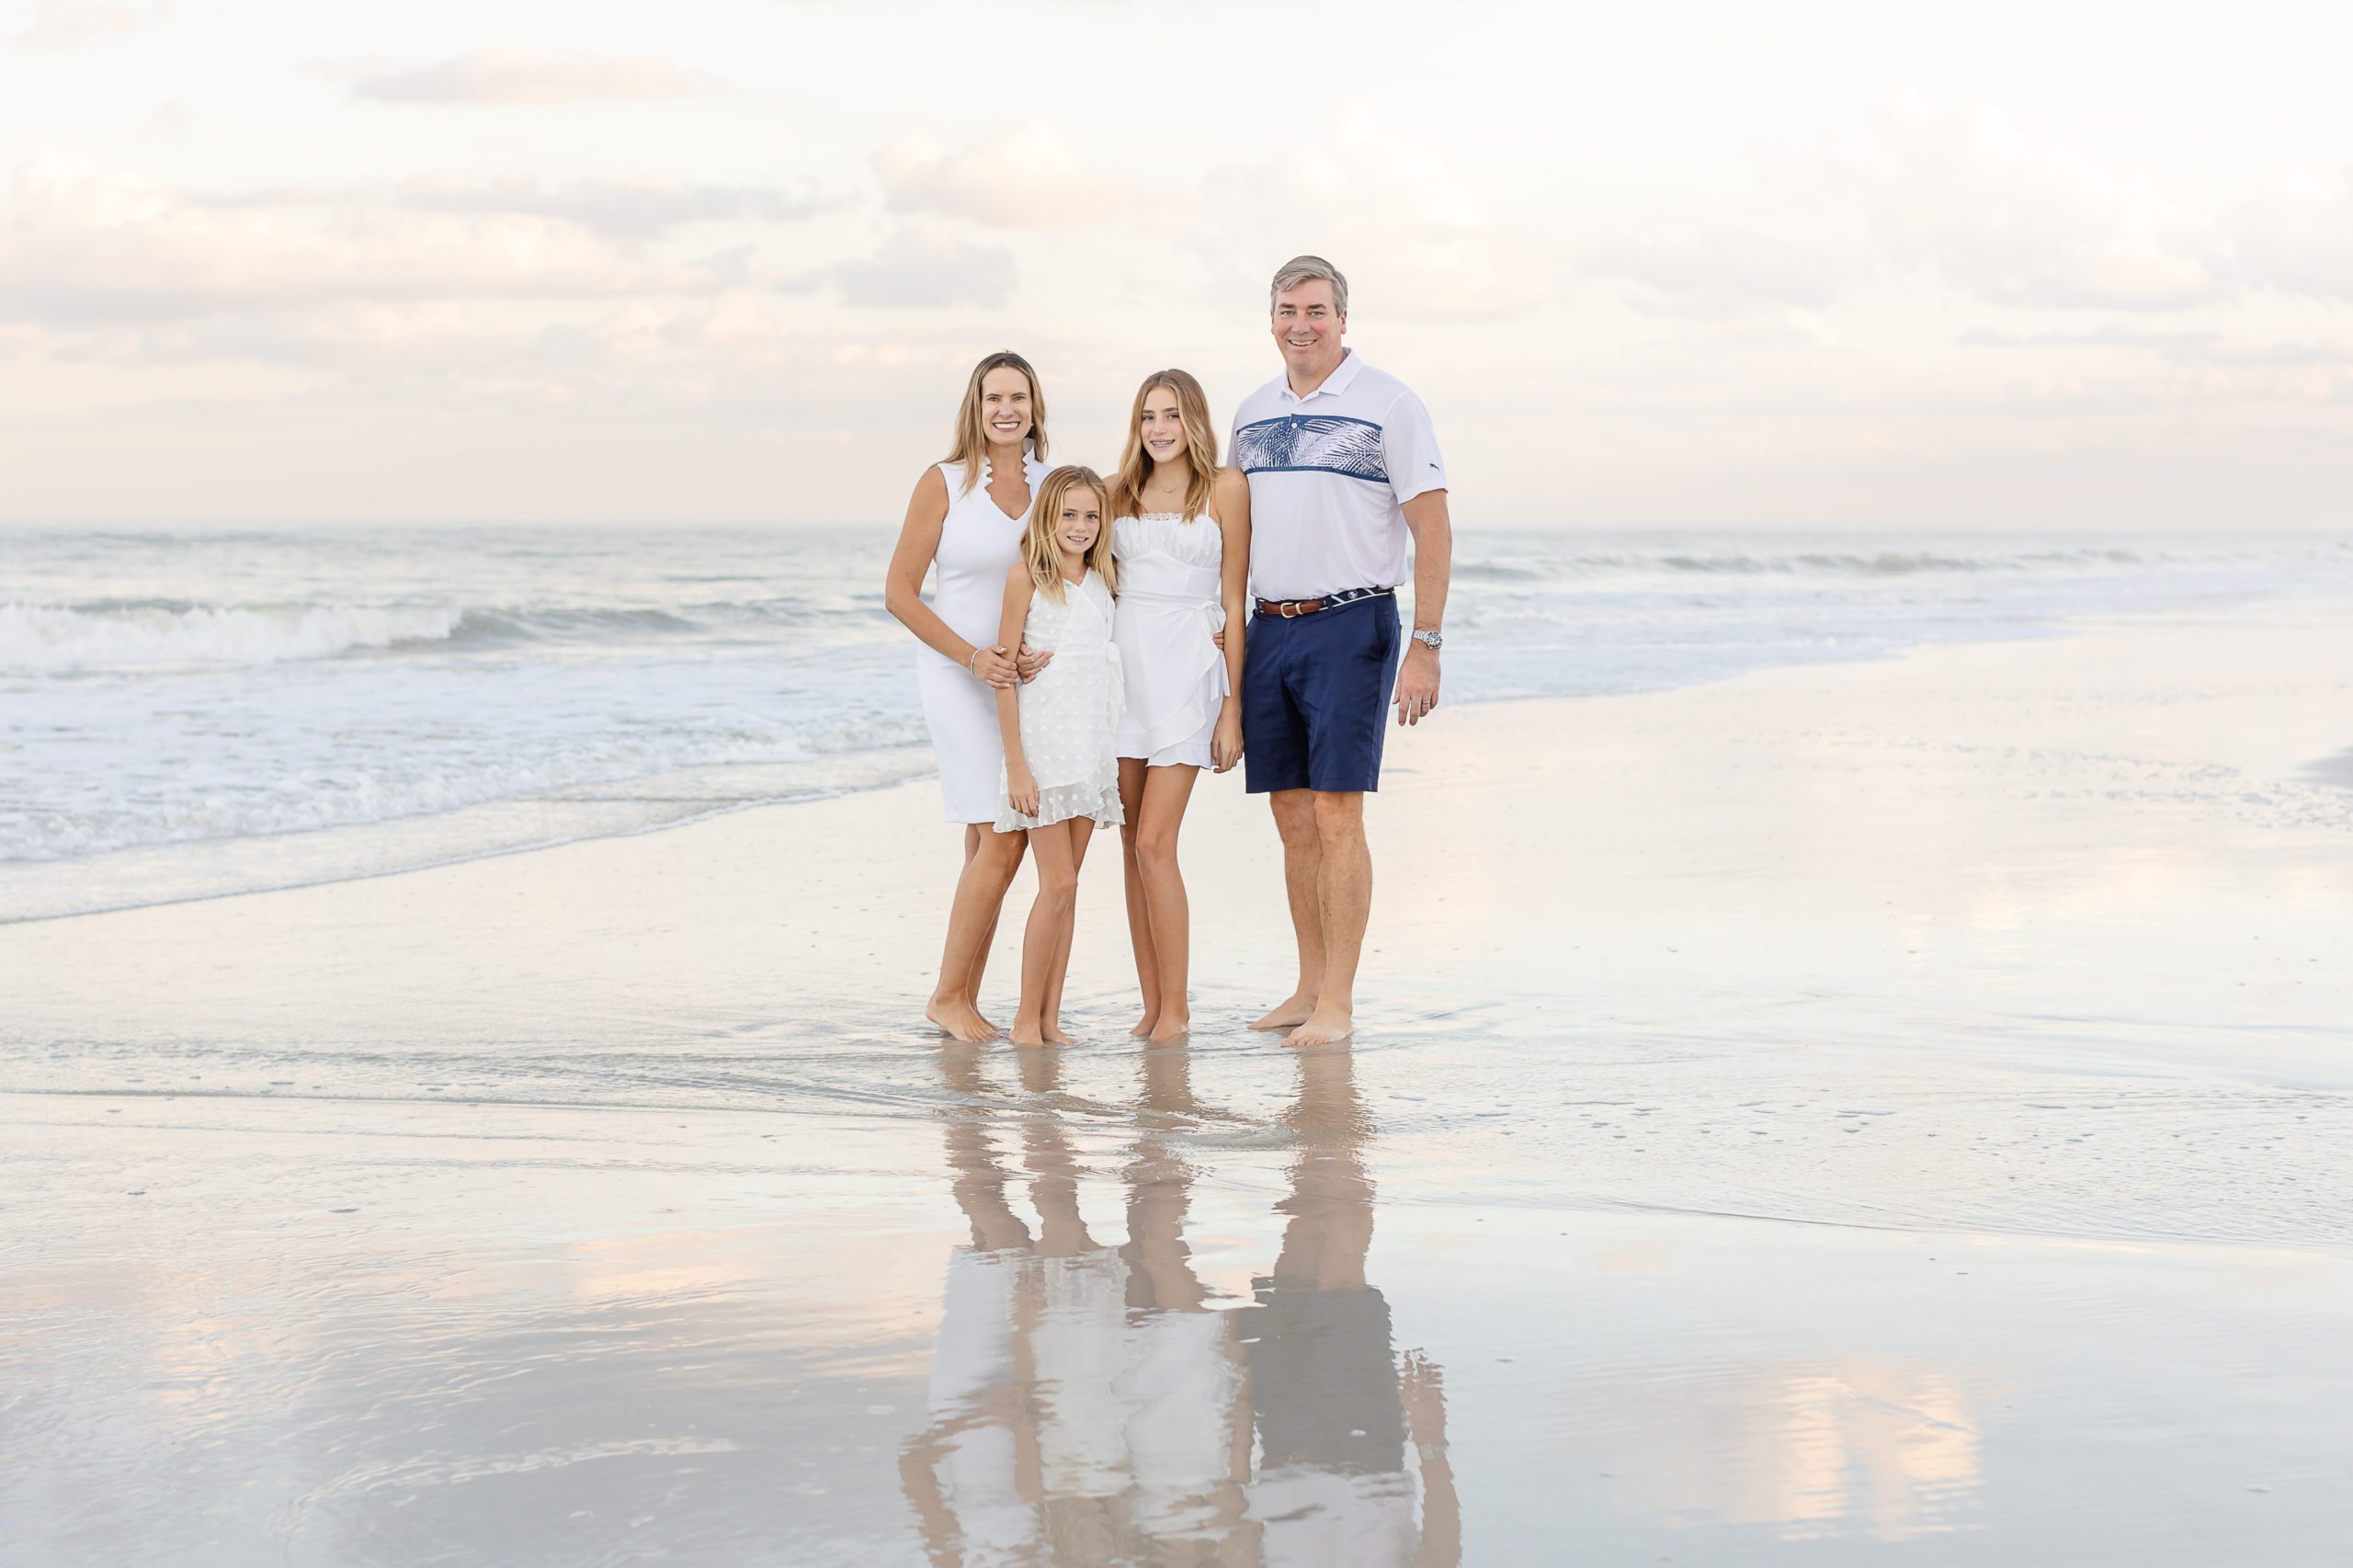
1301	269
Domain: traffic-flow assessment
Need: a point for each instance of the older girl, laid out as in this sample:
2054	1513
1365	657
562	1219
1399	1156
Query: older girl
967	517
1060	775
1182	533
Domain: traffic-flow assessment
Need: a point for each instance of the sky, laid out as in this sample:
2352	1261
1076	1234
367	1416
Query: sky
1885	266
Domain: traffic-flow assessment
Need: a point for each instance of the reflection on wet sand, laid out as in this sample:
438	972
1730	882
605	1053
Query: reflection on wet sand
1091	1404
1835	1447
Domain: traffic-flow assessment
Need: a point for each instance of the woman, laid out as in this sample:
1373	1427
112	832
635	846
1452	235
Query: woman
1181	538
967	516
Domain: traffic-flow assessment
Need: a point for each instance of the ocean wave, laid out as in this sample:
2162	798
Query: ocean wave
558	625
158	633
1590	569
1892	562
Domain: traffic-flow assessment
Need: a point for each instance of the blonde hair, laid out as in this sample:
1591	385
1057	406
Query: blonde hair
1301	269
1200	446
1042	552
971	443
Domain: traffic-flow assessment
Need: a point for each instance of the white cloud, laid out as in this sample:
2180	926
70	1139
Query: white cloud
2298	239
83	243
69	24
625	207
1388	208
1969	196
531	79
1695	267
1024	178
924	270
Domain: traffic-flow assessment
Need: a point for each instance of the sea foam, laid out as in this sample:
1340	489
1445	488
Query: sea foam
160	635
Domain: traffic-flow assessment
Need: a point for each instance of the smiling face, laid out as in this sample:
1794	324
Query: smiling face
1308	329
1160	426
1004	406
1081	522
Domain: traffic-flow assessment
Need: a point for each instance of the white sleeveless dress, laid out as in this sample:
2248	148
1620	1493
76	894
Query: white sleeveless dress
978	544
1170	606
1070	711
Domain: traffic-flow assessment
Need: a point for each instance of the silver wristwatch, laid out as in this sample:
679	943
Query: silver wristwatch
1430	640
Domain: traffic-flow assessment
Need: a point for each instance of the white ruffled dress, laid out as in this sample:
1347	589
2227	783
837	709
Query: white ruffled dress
978	541
1071	712
1170	608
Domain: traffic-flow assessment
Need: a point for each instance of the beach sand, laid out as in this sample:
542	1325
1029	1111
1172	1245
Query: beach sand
1847	1114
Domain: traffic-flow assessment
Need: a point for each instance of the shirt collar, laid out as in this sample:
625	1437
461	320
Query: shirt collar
1334	384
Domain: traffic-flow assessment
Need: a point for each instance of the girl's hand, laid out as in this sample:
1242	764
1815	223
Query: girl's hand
1218	637
1021	789
1225	746
1029	661
994	667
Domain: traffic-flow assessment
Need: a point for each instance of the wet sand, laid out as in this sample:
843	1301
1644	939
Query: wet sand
1846	1114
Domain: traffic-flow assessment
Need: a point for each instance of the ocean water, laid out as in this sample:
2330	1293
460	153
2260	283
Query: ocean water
188	712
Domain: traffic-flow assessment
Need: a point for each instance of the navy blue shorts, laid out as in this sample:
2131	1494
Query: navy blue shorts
1315	692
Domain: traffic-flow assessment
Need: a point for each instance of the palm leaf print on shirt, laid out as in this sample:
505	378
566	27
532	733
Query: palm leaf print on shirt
1329	442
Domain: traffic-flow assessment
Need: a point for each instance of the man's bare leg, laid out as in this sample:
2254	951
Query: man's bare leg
980	893
1343	902
1302	867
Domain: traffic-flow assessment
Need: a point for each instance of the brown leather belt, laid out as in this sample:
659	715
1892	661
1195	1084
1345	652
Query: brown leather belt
1289	609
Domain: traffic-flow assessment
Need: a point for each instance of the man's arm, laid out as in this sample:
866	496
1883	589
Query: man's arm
1433	530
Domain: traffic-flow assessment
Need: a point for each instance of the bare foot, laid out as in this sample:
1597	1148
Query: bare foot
1172	1026
1326	1025
1146	1024
961	1019
1054	1036
1288	1014
1024	1034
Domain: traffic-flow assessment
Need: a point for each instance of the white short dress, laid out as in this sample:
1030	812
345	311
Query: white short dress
978	544
1170	608
1070	713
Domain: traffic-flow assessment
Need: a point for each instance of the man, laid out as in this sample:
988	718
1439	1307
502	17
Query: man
1343	465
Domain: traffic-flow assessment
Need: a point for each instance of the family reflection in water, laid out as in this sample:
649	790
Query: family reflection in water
1091	1405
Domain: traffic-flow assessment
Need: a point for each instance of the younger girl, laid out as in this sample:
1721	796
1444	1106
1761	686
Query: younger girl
1060	775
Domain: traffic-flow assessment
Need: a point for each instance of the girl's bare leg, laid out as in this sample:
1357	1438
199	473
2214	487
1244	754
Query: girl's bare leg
1132	782
1165	792
972	920
1057	895
1082	831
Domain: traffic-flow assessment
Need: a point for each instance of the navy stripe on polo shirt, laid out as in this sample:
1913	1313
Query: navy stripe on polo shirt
1299	443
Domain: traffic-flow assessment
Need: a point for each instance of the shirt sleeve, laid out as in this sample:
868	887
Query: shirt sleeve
1409	449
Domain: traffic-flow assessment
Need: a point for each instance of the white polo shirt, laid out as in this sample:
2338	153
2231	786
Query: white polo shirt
1330	474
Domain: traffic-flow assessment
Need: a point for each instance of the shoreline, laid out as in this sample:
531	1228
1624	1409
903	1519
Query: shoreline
862	771
1838	1111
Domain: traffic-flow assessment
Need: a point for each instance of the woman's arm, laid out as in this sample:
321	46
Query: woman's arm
902	587
1020	785
1230	504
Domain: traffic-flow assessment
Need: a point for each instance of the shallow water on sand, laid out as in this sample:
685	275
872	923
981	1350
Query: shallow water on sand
1895	1117
1227	1304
